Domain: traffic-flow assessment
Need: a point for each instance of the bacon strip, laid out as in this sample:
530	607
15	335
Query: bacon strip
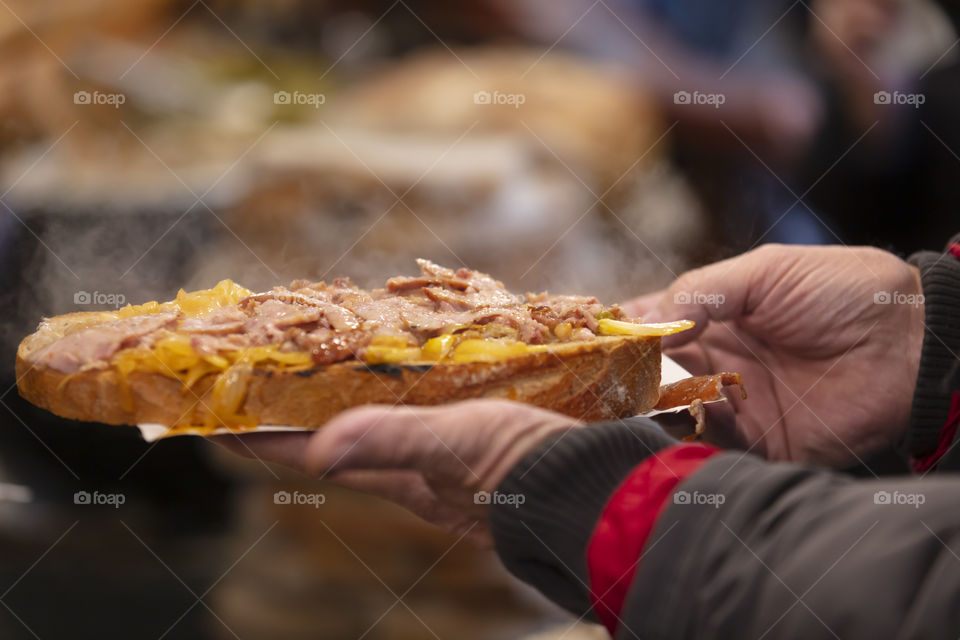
695	391
702	388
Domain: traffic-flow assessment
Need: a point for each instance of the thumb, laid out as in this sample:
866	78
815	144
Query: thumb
641	306
716	292
375	437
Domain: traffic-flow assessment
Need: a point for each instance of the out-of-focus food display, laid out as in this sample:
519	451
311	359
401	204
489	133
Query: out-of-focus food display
152	145
490	158
544	167
594	119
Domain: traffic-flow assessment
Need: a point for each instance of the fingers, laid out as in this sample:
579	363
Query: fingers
641	306
465	439
375	437
410	490
725	290
403	487
286	448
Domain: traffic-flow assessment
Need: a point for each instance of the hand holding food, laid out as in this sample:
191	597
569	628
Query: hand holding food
828	337
442	463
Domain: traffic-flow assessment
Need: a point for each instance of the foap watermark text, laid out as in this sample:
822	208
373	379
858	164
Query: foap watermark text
115	300
899	498
899	98
512	499
699	98
499	97
299	98
99	97
299	498
697	498
699	298
896	297
114	500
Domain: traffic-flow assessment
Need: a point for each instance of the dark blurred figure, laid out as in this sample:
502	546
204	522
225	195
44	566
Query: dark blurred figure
801	145
900	187
731	77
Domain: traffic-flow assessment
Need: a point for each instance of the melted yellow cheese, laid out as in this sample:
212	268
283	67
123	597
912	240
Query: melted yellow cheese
201	303
476	350
610	327
175	357
450	348
436	349
193	303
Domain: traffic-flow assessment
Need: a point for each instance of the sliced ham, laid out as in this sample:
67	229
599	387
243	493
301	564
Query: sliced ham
327	347
477	280
579	311
401	284
220	322
420	319
271	318
211	345
583	334
461	279
340	318
281	294
471	300
284	314
433	270
544	315
337	321
97	345
388	311
530	330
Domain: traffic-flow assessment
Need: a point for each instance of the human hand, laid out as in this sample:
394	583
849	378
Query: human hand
829	357
431	460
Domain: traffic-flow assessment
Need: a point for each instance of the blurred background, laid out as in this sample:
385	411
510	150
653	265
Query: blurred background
585	146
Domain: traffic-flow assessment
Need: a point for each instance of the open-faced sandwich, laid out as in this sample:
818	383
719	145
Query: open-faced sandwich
296	356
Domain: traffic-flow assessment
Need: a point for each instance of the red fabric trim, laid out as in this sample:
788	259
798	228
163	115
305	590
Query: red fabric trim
954	249
947	434
627	520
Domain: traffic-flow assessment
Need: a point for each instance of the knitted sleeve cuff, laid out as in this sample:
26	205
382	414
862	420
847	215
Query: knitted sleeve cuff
565	484
939	374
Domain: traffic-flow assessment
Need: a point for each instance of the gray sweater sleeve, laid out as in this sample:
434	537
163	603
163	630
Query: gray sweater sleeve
800	553
788	552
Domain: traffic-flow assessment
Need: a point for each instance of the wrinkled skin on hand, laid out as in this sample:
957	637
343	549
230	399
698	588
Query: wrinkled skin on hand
431	460
830	364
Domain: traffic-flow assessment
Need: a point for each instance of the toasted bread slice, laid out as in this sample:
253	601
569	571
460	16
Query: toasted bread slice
604	378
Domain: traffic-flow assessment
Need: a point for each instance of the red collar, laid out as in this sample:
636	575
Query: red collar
947	434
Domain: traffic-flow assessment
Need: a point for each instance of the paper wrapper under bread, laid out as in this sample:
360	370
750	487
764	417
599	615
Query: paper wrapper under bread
670	372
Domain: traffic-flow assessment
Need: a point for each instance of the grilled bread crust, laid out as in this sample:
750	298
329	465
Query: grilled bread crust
601	379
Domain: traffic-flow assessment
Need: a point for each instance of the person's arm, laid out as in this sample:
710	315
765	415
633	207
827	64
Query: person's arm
936	403
693	542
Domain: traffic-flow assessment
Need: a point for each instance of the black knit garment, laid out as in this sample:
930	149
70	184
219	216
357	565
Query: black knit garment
565	483
939	374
